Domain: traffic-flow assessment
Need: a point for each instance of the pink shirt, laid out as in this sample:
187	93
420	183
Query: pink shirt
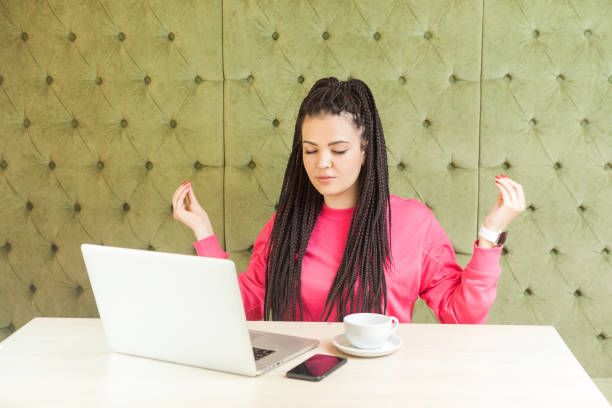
424	265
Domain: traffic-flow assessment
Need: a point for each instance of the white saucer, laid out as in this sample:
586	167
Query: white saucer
389	347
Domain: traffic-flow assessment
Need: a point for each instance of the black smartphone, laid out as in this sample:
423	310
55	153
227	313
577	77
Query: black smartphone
316	367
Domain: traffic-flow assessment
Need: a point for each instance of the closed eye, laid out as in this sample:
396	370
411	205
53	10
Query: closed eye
314	151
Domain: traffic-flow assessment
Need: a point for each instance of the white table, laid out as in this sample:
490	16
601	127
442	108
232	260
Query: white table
66	363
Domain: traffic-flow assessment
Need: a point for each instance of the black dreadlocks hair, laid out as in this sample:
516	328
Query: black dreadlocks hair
367	248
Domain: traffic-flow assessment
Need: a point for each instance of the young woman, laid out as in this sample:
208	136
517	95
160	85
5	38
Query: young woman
339	243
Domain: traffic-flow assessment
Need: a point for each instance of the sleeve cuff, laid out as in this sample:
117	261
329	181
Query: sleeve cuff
210	247
486	259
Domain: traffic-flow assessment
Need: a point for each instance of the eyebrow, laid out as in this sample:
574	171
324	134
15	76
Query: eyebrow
330	144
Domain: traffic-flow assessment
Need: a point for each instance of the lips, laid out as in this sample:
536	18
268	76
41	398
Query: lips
325	178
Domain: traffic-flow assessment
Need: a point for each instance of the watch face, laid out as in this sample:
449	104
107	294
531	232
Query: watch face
502	238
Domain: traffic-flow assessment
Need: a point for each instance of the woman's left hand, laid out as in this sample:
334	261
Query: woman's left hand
510	203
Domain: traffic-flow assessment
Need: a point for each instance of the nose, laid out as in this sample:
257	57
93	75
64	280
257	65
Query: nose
324	161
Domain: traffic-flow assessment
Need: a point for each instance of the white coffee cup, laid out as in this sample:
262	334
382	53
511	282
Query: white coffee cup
369	330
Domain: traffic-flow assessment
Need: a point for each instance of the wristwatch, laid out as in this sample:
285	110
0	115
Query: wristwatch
497	238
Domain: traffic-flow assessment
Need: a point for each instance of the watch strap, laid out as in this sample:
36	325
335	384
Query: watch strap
497	237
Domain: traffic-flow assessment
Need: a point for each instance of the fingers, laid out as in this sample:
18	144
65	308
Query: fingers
192	197
514	192
504	192
510	190
179	190
178	199
519	190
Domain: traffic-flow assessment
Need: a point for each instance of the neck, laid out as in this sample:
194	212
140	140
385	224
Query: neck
342	201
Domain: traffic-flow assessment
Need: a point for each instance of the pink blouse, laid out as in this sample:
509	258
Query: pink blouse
424	265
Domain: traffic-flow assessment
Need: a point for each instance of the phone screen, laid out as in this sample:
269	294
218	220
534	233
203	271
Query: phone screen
316	367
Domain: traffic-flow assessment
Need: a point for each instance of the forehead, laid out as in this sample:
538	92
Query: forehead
326	128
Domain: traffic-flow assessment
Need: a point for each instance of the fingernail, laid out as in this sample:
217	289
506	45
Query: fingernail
185	182
503	175
496	177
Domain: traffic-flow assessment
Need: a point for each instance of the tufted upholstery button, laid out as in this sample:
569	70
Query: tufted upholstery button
172	123
250	79
72	37
554	251
2	79
505	251
3	164
98	81
588	33
54	248
26	123
24	36
533	121
147	79
170	36
77	207
608	166
78	290
198	165
251	164
507	77
528	292
275	36
605	251
401	166
451	166
126	207
577	293
250	248
151	247
49	79
32	288
275	123
426	123
121	36
8	247
149	165
535	33
505	165
452	79
52	165
427	35
29	205
325	35
402	80
100	165
581	208
11	327
300	79
560	78
124	123
531	208
74	123
584	122
557	166
377	36
602	336
198	79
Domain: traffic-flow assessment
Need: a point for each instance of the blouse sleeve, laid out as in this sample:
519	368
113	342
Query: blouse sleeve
253	281
457	295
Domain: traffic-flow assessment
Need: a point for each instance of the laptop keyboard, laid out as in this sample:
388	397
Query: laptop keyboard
261	353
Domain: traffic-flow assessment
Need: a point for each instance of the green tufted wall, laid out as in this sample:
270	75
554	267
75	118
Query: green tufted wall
106	107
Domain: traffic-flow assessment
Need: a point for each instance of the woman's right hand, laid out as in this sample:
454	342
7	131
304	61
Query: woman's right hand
192	215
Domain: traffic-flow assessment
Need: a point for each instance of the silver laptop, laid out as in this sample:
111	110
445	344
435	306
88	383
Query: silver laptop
181	308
